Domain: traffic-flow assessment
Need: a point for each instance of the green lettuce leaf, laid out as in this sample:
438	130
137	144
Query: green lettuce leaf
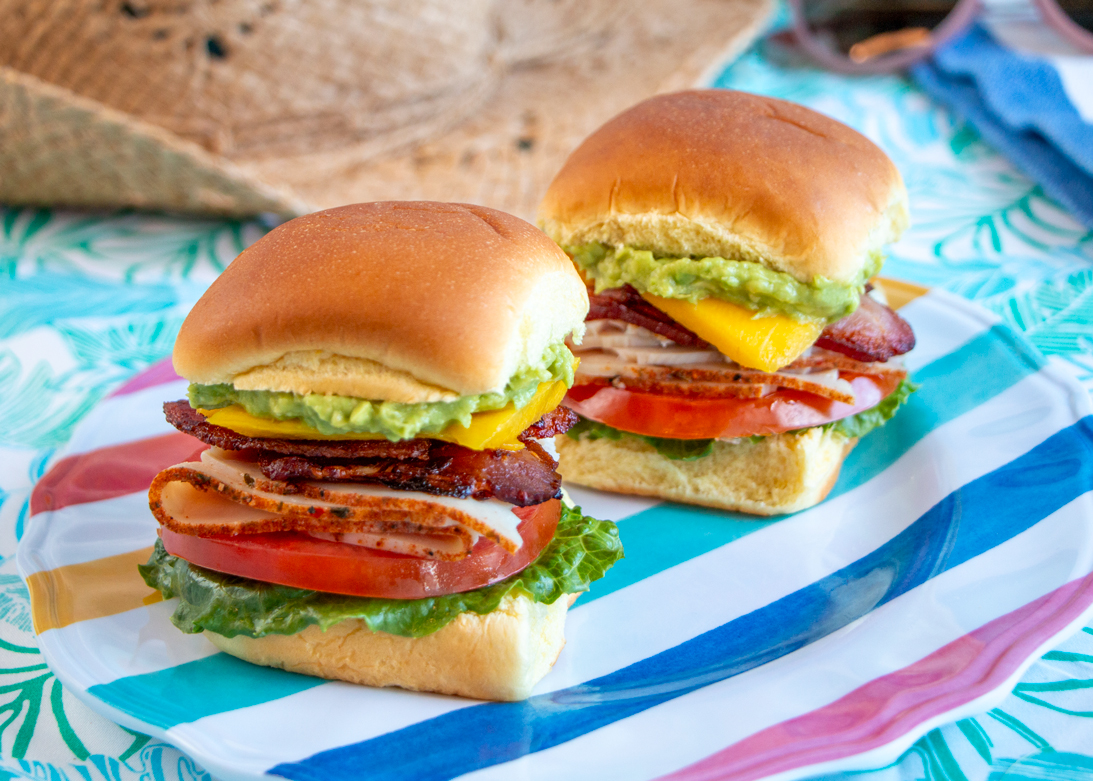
675	449
865	421
583	549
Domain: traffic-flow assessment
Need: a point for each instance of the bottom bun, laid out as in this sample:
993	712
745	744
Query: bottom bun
498	656
779	474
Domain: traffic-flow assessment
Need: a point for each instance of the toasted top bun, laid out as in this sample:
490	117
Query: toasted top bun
402	301
716	173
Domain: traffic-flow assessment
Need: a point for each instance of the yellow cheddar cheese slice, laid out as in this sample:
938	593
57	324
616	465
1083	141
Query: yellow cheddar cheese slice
494	430
764	343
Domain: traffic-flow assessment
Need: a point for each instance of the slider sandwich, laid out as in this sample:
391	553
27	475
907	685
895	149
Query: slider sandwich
735	351
375	498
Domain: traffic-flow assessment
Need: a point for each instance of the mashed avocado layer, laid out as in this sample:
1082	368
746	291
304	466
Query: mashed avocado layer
331	414
748	284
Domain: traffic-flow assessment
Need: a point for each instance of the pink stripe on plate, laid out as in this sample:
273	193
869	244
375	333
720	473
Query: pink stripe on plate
887	708
110	472
157	374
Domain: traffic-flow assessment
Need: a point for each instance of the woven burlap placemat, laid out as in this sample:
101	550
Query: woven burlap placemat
277	110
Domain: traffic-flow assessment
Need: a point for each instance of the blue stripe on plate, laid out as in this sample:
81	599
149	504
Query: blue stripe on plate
199	688
971	520
668	534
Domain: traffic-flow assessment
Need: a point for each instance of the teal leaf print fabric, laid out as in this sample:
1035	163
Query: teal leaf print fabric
86	301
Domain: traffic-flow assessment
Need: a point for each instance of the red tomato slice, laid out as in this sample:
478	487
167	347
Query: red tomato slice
293	559
673	417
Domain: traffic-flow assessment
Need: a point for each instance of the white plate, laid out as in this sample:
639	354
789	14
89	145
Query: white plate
954	550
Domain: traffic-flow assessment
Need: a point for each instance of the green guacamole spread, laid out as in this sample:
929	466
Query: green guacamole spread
331	414
741	282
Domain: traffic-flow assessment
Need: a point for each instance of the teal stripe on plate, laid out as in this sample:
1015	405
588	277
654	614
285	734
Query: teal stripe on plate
956	383
670	534
199	688
655	539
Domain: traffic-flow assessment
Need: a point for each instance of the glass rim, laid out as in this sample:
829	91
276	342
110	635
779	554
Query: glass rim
956	21
1052	13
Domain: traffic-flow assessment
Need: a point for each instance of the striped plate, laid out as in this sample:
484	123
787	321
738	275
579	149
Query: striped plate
955	548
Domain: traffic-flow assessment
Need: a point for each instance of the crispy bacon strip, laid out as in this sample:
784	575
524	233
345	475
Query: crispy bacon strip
557	421
819	359
821	373
626	304
522	478
189	421
686	389
703	390
873	332
714	380
750	386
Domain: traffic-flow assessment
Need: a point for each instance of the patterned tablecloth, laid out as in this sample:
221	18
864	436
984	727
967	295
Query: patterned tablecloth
86	300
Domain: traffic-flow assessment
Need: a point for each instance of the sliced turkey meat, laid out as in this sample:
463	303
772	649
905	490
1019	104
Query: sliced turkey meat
225	494
628	356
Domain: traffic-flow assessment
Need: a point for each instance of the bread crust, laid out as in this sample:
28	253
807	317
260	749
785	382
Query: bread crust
783	473
498	656
316	371
453	296
719	173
